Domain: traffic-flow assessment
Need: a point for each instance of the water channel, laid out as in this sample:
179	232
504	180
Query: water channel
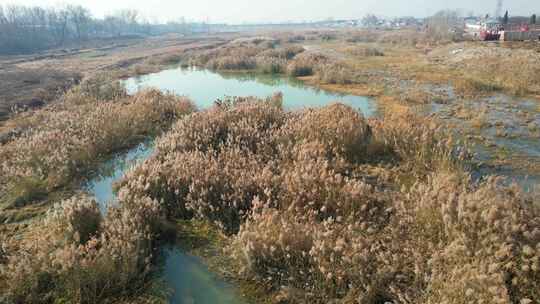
189	279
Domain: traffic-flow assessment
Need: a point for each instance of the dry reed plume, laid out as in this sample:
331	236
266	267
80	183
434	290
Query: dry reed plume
320	205
62	141
316	206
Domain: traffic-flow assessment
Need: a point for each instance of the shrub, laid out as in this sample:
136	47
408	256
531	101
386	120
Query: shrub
230	56
405	37
299	69
266	59
470	87
23	191
76	257
211	150
317	218
364	36
340	129
272	246
232	63
328	37
421	144
310	212
417	94
486	235
271	65
437	245
305	64
286	53
335	74
311	189
294	38
77	220
101	86
64	140
168	59
365	51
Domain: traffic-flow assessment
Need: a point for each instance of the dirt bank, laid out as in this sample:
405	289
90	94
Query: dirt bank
36	79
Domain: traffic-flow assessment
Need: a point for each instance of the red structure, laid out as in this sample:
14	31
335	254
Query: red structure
490	35
491	30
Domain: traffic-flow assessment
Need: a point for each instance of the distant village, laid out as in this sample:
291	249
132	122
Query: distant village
475	27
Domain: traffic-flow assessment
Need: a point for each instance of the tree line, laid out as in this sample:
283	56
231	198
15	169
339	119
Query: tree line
31	28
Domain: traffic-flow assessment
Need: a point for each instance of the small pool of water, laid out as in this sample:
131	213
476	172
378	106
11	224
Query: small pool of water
101	184
193	282
188	278
204	87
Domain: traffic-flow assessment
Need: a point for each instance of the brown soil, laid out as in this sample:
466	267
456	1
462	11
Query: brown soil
28	81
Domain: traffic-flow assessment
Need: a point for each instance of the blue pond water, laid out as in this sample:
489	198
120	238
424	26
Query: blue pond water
189	279
101	185
204	87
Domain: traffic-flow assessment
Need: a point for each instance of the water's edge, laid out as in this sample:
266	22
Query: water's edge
188	278
187	275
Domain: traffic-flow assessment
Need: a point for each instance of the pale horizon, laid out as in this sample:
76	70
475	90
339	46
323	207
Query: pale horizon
242	11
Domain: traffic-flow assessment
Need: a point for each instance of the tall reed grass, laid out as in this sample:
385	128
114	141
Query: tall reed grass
74	255
61	142
317	210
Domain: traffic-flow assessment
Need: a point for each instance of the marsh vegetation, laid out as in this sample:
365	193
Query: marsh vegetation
313	205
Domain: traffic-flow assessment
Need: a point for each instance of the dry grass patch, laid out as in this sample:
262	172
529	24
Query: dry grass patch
293	191
75	255
320	205
61	142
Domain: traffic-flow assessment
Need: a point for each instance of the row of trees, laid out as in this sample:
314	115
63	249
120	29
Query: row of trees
26	29
506	19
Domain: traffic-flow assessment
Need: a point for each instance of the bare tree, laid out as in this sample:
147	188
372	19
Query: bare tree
80	18
2	17
370	20
27	29
112	25
58	24
445	25
3	21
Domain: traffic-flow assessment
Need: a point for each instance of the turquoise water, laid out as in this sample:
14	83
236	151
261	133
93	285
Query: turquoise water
204	87
101	185
188	278
193	283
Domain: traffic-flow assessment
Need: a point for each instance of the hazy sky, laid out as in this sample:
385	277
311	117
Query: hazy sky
238	11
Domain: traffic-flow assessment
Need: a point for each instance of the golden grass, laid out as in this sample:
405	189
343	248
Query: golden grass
317	205
59	143
75	255
371	89
305	223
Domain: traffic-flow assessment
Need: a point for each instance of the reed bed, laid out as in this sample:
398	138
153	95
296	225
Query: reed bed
290	60
75	255
320	205
61	142
317	209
